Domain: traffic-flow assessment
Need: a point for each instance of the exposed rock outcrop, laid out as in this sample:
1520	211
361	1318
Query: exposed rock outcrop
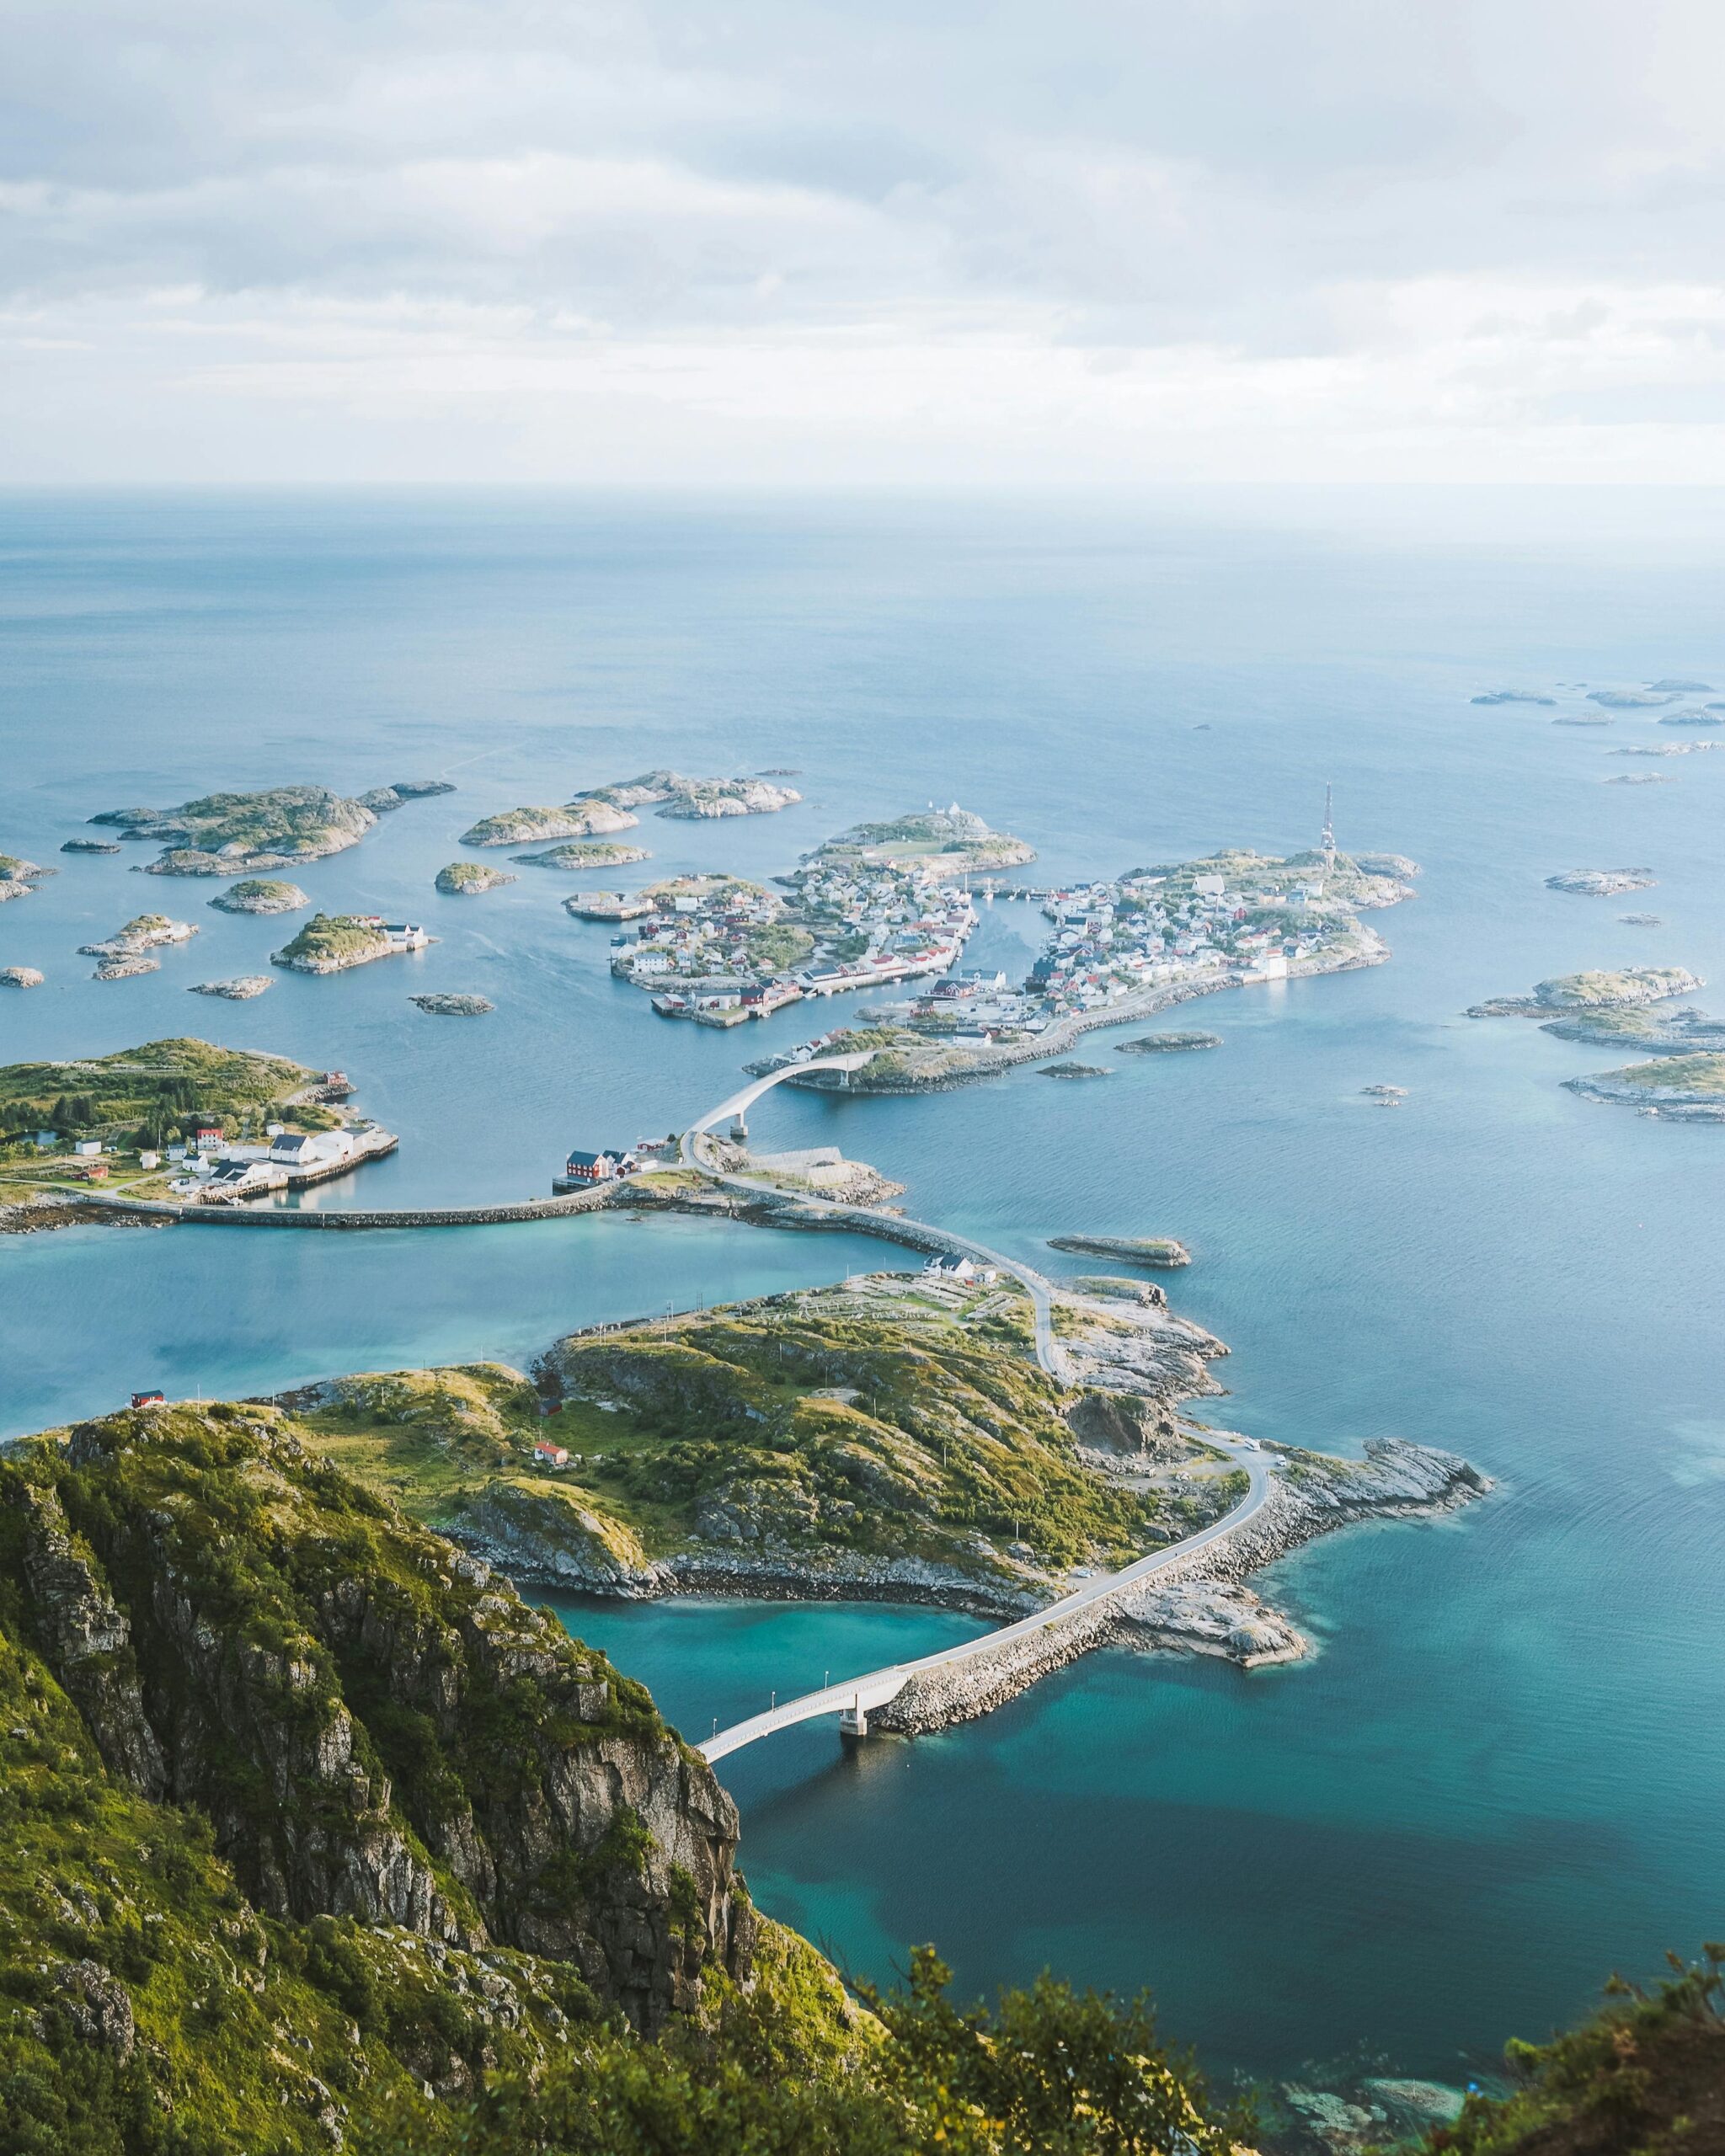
376	1728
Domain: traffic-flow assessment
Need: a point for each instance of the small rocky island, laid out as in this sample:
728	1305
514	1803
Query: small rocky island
1601	990
382	799
467	879
453	1007
1601	883
1511	696
585	853
1681	1088
17	876
1174	1043
1161	1251
128	952
260	894
605	808
20	977
575	819
237	834
89	846
331	943
241	989
1075	1070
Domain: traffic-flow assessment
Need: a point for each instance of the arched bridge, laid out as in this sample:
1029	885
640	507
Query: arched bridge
853	1699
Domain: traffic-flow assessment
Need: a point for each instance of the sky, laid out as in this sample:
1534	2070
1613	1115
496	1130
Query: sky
929	243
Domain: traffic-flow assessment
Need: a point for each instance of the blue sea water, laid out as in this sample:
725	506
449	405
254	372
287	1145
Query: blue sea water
1498	1776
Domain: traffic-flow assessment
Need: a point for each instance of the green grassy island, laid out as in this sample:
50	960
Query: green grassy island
330	943
467	879
137	1102
260	894
226	833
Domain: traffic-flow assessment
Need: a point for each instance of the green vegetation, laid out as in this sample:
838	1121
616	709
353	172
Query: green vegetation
407	1899
328	942
882	1423
467	879
589	853
154	1092
221	832
357	1720
1050	2072
1634	985
711	891
1647	2073
951	836
777	949
260	894
1675	1078
15	870
575	819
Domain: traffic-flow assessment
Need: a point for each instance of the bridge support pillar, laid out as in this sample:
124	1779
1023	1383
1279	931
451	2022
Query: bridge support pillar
853	1722
739	1129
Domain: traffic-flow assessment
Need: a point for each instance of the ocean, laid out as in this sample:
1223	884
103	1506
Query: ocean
1496	1778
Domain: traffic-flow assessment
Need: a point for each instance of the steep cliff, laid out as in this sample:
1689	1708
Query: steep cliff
235	1676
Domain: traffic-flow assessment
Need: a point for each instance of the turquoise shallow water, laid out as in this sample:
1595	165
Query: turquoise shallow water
1499	1775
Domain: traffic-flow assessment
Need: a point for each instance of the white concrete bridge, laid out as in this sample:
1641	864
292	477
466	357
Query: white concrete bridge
854	1698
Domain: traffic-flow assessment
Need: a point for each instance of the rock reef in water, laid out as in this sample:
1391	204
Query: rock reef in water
1631	699
381	799
145	931
1601	883
1075	1070
1160	1251
467	879
453	1007
1679	688
123	968
20	977
89	846
241	989
1641	778
260	894
232	834
1174	1043
15	870
1511	696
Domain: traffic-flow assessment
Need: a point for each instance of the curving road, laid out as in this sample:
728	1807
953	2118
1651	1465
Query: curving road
1048	1352
857	1695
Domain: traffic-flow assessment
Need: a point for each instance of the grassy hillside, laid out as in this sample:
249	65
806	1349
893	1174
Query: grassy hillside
879	1421
156	1089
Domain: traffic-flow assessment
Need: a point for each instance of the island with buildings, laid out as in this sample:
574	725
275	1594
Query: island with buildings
330	943
170	1120
1123	949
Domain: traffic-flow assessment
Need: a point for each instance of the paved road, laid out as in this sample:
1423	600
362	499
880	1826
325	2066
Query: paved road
860	1693
1048	1352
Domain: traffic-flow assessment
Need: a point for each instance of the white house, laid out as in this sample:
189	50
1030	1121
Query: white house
313	1149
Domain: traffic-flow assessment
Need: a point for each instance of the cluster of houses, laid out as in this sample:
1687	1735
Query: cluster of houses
872	922
583	1168
218	1173
1115	940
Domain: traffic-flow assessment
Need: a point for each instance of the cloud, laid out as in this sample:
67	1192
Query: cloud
578	238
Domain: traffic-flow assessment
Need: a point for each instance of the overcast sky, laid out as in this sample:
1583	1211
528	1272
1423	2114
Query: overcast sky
1033	241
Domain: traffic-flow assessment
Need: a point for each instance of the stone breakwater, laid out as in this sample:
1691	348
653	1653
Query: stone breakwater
287	1216
1200	1605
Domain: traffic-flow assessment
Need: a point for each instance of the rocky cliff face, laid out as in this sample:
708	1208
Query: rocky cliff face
375	1728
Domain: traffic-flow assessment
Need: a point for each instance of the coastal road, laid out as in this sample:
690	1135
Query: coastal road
857	1695
1050	1354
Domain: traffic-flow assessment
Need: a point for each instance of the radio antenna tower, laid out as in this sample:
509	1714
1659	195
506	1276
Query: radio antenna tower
1329	838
